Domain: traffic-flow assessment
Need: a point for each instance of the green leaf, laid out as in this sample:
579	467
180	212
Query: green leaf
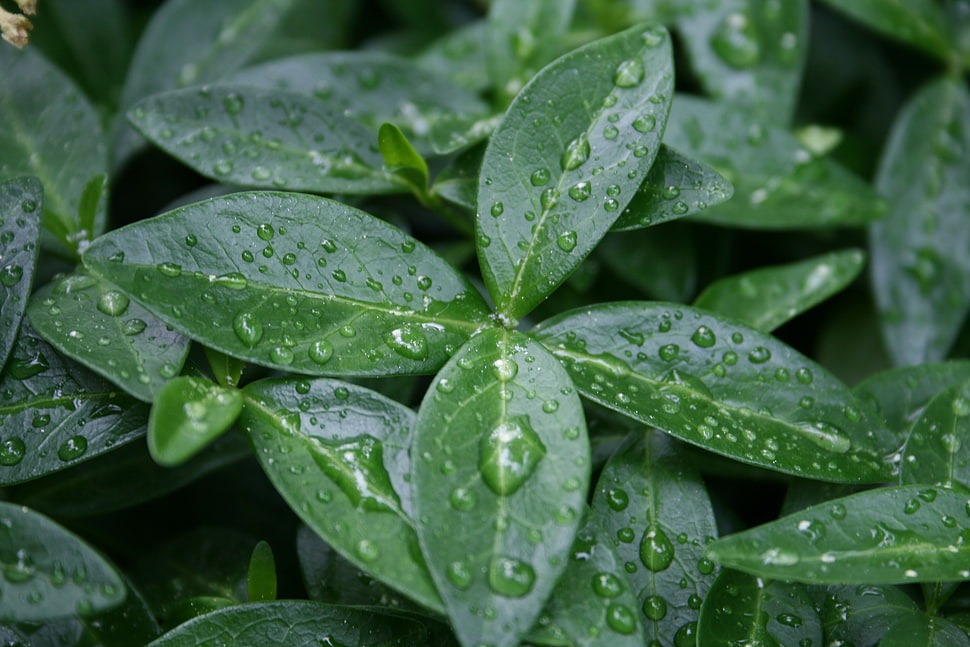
884	536
458	182
742	609
261	583
861	614
459	55
401	159
676	186
338	454
92	322
227	370
20	200
294	622
924	631
265	138
613	14
49	572
652	501
593	603
188	414
521	37
552	185
778	183
935	451
55	413
722	386
51	132
660	263
501	438
294	282
767	297
749	53
920	271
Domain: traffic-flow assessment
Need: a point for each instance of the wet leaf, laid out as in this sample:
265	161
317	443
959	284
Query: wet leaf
261	584
924	631
20	209
935	451
401	159
189	413
860	614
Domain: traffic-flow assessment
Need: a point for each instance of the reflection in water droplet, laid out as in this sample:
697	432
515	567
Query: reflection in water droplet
828	437
629	73
645	123
510	577
408	342
73	448
463	499
356	465
656	551
505	368
509	454
12	451
704	337
459	575
621	619
655	607
567	241
576	153
735	41
320	351
540	177
247	328
113	303
607	585
617	499
367	550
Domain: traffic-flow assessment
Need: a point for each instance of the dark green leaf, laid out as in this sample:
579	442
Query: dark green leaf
261	583
188	414
924	631
92	322
20	202
767	297
501	438
338	453
920	269
742	609
722	386
652	502
568	157
55	413
676	186
883	536
749	52
227	370
49	572
458	182
660	263
459	56
860	614
401	159
935	452
778	183
295	282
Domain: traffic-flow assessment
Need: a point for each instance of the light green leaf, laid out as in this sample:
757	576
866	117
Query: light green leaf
860	614
49	572
749	53
188	414
935	451
57	413
919	630
338	454
261	583
722	386
294	282
920	271
401	159
20	202
95	324
767	297
884	536
500	437
552	185
742	609
615	14
652	501
778	183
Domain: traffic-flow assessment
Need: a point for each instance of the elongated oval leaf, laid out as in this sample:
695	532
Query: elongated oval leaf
49	572
925	631
95	324
767	297
459	55
501	438
54	413
935	452
778	183
720	385
568	157
20	209
652	502
860	614
189	413
338	454
265	138
295	282
884	536
920	271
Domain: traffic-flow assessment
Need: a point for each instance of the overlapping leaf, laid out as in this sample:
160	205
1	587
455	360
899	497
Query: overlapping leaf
295	282
920	630
860	614
20	203
189	413
935	451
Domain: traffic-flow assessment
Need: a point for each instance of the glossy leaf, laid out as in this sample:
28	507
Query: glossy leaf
884	536
920	273
767	297
401	159
261	583
55	413
749	53
338	454
924	631
618	13
92	322
49	572
860	614
500	437
555	178
227	370
935	451
20	209
51	132
778	183
652	503
265	138
188	414
294	282
744	609
706	380
676	186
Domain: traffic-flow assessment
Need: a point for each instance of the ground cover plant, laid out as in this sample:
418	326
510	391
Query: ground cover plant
542	322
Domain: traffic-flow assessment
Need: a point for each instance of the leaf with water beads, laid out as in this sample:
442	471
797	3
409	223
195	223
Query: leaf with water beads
935	452
338	454
706	380
861	614
49	572
924	630
295	282
568	157
21	201
188	414
500	474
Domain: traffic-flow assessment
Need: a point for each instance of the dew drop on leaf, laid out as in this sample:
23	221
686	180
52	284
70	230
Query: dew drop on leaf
247	328
540	177
827	436
704	337
617	499
459	575
567	241
509	454
629	73
356	466
462	499
510	577
686	636
367	550
655	607
408	342
735	41
12	451
607	585
72	448
281	355
656	551
170	270
576	153
549	198
645	123
621	619
113	303
10	275
580	191
133	326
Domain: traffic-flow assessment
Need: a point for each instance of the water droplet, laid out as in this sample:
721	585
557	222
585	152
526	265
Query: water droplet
169	269
645	123
463	499
281	355
960	407
611	132
505	368
759	355
367	550
669	352
607	585
705	566
133	327
912	506
497	209
567	241
686	636
232	280
510	577
10	275
540	177
837	511
655	607
735	40
72	448
804	375
113	303
656	551
21	570
509	454
356	466
222	168
617	499
233	103
629	73
704	337
789	620
23	368
621	619
408	342
828	437
265	232
548	199
459	575
12	451
247	328
576	153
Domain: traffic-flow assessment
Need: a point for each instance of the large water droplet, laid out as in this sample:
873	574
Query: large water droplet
356	465
576	153
704	337
10	275
735	40
133	327
72	448
607	585
629	73
408	342
247	328
656	551
540	177
827	436
567	241
510	577
655	607
509	454
12	451
171	270
113	303
233	103
505	368
265	232
459	575
621	619
549	199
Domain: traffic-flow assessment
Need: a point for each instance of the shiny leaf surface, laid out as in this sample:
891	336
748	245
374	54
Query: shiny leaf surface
20	208
860	614
924	631
935	452
189	413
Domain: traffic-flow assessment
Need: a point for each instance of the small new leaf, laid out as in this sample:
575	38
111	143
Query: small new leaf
188	414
